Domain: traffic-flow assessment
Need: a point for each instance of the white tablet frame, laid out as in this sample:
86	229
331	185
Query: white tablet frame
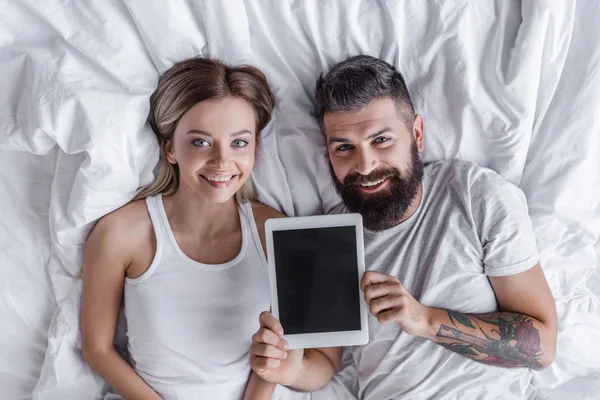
321	339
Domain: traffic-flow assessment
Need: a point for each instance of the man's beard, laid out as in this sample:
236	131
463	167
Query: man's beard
385	208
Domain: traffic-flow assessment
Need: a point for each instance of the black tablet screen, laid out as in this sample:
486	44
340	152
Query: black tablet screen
317	279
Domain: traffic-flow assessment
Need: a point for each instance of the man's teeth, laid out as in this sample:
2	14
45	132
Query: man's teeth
218	178
369	184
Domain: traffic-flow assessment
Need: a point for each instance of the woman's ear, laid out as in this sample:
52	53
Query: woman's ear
169	152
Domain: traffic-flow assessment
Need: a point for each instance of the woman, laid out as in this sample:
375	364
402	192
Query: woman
188	253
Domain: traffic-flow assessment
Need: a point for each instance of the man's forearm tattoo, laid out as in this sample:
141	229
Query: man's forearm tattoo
516	342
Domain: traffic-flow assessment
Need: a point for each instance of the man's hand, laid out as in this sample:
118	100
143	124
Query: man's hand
269	356
390	302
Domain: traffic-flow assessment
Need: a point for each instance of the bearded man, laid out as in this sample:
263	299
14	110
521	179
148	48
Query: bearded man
454	285
459	305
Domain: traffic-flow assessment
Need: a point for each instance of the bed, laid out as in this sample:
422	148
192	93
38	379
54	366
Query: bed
510	85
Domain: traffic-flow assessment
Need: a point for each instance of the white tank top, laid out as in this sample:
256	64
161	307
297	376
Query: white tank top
190	325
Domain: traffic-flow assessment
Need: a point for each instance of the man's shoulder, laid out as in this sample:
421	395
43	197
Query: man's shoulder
459	168
339	208
467	176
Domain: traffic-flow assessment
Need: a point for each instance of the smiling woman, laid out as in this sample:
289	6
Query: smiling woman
214	144
188	253
192	83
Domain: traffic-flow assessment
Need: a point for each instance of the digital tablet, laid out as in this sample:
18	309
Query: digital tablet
315	267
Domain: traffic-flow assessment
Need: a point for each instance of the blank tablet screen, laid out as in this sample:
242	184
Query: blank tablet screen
317	279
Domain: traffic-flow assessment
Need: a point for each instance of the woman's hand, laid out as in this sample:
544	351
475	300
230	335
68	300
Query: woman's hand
269	354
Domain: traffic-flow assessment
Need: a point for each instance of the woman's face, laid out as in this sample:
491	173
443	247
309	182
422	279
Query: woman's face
214	146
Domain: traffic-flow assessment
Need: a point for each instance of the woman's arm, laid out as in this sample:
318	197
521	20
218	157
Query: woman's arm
105	261
302	370
258	389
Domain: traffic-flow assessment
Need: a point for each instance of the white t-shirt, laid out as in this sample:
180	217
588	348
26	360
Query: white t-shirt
470	224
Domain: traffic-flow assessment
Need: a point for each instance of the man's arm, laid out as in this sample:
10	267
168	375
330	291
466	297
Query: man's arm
522	334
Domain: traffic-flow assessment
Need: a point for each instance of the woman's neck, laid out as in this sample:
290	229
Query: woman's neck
190	213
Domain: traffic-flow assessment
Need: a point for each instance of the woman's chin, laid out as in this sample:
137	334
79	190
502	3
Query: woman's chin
219	196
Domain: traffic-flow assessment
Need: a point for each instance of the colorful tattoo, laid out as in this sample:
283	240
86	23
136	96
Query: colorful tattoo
462	318
518	344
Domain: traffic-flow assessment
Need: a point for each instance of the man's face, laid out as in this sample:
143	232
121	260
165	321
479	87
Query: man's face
374	161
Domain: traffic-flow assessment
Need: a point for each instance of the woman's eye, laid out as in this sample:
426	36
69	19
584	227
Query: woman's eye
239	143
200	143
381	139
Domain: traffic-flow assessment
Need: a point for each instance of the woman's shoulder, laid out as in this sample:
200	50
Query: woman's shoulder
263	212
122	241
127	226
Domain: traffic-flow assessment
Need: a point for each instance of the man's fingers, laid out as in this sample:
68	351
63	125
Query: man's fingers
380	290
388	316
373	278
385	303
267	320
267	336
267	351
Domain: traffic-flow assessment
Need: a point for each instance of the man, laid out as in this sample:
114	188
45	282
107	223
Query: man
453	286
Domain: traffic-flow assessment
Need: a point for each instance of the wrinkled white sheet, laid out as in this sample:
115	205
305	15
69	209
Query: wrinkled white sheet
26	296
510	86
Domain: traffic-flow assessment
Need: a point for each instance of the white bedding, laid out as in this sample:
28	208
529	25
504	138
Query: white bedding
514	87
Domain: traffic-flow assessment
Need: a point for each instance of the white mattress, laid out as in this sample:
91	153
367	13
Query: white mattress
514	87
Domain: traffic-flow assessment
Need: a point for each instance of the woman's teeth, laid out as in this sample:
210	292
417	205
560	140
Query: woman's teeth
218	178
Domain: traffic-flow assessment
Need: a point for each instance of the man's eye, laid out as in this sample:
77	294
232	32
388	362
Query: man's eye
200	143
239	143
343	147
381	139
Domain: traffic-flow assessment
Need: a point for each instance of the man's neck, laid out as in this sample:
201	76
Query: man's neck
414	205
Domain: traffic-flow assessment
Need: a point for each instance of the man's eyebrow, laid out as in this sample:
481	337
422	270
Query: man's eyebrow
337	140
374	135
379	132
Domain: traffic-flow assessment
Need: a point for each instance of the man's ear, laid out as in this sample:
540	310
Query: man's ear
169	152
418	132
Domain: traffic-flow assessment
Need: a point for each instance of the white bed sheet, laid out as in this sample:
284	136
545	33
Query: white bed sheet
26	296
511	86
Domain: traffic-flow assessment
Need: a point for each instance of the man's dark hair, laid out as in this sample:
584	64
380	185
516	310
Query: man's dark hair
353	83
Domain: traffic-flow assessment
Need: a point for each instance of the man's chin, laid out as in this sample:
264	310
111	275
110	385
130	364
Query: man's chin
378	223
376	216
358	195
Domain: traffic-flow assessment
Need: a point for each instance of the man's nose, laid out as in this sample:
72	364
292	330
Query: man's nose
365	162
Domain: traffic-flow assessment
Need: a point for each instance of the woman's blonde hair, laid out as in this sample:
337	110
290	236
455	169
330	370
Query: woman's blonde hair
186	84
